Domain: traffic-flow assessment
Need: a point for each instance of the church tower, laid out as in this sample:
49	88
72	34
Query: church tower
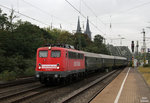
87	31
78	26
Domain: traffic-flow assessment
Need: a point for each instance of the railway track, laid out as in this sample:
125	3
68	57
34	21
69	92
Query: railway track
56	94
24	94
85	90
18	82
13	89
32	93
72	93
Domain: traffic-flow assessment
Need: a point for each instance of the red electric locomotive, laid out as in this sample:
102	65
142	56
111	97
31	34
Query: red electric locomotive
55	63
61	62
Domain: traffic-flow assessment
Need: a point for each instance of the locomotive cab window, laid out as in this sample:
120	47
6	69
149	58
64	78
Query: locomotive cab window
55	53
43	53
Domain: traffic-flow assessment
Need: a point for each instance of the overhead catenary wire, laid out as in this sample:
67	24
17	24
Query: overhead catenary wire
35	7
24	15
132	8
45	12
83	16
93	12
75	8
138	6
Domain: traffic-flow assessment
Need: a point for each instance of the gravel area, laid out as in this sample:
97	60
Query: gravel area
85	97
52	96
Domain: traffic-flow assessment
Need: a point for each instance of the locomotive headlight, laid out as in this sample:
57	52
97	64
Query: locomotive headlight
39	67
57	67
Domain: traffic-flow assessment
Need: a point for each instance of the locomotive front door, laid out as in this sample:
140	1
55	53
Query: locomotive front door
67	61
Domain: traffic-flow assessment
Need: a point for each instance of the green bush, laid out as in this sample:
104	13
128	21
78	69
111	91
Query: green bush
19	72
29	71
7	76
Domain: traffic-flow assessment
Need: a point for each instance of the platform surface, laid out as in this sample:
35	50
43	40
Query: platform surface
128	87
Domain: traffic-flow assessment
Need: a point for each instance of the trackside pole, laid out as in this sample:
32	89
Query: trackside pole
132	48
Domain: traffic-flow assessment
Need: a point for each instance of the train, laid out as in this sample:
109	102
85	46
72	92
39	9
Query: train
60	62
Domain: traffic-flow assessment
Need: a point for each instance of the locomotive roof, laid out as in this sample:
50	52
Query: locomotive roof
59	48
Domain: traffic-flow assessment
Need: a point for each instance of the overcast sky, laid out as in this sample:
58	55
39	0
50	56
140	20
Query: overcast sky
127	17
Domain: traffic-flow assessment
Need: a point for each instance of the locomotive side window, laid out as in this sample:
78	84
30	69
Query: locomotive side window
66	53
73	55
55	53
43	53
70	55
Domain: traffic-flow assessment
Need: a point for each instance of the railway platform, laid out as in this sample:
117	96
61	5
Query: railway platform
128	87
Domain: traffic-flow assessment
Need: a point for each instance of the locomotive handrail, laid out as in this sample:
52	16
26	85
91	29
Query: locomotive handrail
61	45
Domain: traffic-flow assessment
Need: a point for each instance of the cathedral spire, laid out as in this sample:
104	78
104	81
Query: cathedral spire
78	26
87	31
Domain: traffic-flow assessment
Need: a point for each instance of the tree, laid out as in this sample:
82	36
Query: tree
100	46
65	38
11	17
54	32
98	40
81	41
6	23
3	20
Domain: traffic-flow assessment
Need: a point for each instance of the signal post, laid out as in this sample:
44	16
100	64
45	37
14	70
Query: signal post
132	48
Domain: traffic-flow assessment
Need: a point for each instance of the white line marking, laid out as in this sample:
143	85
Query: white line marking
144	100
119	93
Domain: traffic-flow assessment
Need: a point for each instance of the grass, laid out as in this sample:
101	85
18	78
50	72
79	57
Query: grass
146	73
7	76
13	75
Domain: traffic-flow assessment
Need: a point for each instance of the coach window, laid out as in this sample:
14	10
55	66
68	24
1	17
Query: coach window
43	53
55	53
